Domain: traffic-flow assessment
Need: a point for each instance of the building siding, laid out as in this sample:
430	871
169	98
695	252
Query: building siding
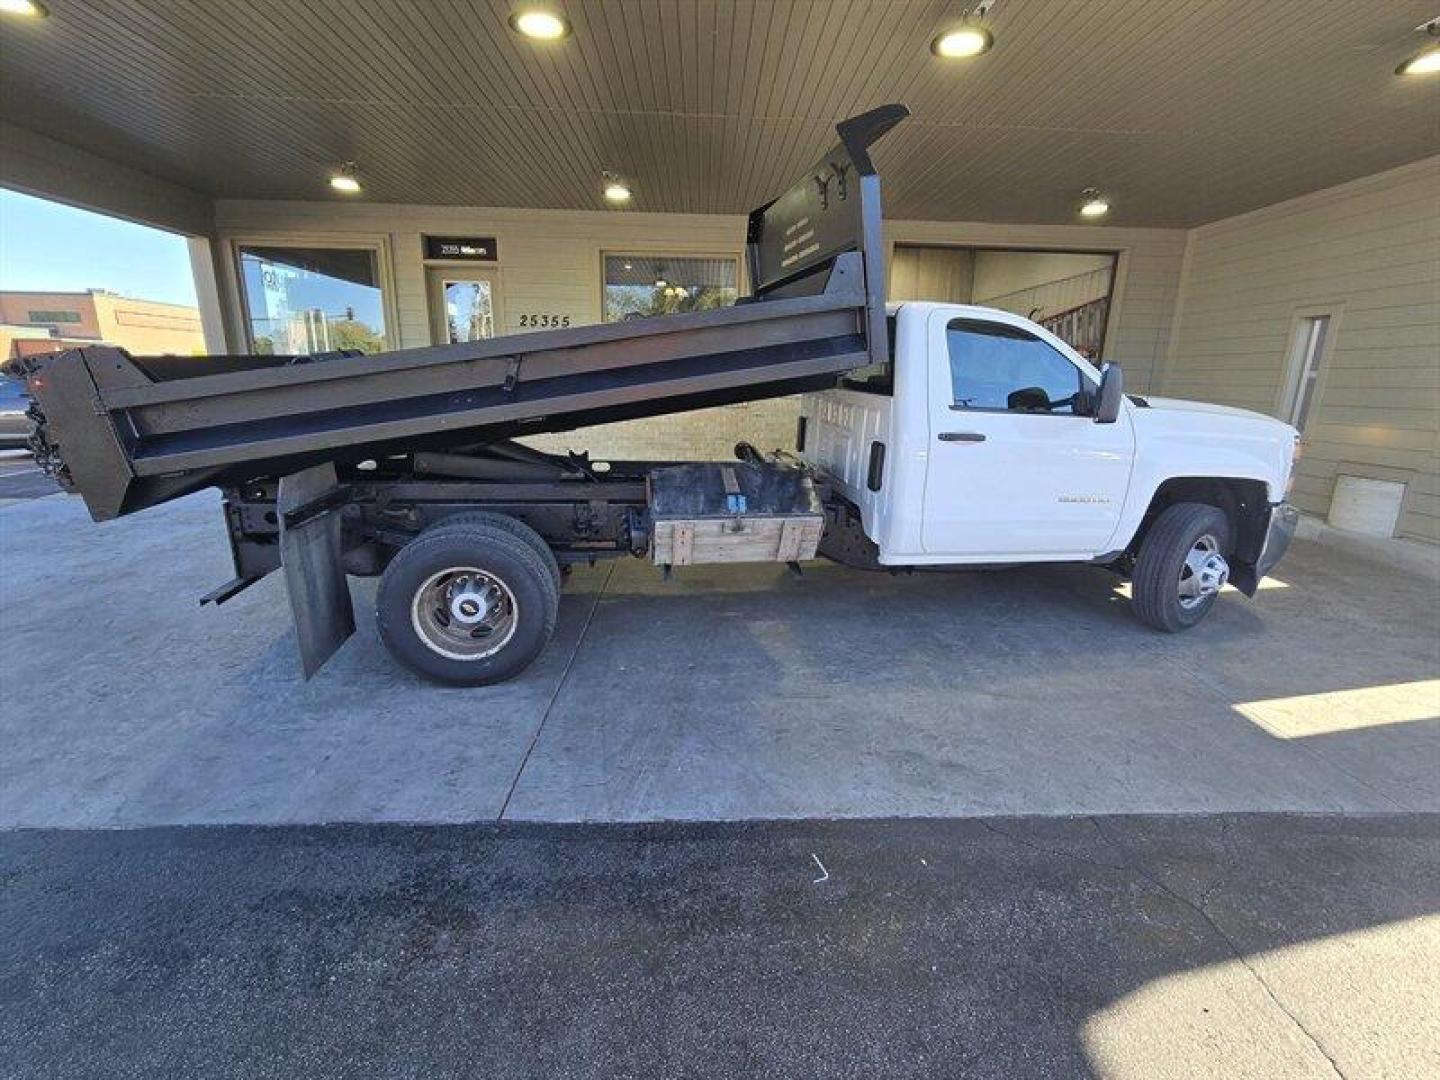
1367	252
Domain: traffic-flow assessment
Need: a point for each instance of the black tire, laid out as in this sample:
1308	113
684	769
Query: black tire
1155	585
509	524
508	565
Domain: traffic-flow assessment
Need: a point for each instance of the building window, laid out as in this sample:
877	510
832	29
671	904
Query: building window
637	286
1305	355
52	316
302	300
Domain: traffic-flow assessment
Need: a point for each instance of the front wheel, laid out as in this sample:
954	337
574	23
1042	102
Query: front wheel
466	605
1181	567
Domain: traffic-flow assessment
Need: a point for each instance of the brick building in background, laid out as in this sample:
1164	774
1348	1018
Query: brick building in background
32	322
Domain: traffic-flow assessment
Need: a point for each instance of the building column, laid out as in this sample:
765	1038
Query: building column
220	336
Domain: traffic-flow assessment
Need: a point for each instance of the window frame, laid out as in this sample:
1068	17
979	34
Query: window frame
376	243
33	317
1291	386
666	251
1084	386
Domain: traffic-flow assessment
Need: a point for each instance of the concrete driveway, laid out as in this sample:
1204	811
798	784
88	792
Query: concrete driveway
729	693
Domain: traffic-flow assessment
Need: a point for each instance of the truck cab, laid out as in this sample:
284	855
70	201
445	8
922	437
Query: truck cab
982	440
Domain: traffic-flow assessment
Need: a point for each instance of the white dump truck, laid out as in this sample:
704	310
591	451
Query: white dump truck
929	435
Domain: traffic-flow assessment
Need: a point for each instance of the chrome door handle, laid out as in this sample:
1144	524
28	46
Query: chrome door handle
961	436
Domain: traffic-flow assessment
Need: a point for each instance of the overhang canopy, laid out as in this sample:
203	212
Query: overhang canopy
1180	112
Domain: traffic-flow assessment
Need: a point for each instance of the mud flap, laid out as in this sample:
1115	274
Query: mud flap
309	510
1280	530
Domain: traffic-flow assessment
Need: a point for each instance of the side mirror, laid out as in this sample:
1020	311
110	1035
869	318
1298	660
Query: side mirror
1112	392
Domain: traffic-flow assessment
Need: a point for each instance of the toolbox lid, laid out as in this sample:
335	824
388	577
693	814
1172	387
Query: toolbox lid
723	489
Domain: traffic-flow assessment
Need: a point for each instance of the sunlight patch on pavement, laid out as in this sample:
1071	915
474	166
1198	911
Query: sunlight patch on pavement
1217	1020
1345	710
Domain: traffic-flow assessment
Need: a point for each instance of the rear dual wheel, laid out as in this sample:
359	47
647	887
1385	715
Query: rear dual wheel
515	527
468	602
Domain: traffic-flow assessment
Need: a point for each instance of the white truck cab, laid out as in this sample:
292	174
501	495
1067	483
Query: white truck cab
986	440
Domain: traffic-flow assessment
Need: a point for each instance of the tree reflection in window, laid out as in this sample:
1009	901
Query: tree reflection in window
638	286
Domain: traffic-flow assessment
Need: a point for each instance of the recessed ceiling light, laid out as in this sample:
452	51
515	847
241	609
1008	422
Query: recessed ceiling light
1427	60
31	9
1093	204
1422	63
629	267
345	179
540	25
660	283
617	192
961	42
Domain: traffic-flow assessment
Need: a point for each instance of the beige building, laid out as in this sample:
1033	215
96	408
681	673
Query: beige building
143	327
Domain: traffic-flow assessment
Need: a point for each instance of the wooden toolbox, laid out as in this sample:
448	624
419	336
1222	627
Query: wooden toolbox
726	512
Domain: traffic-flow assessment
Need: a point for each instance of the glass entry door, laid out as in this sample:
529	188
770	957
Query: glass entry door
464	304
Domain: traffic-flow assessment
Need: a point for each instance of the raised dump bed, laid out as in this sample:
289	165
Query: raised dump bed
127	434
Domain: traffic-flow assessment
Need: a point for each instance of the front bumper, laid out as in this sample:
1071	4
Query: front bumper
1284	519
1279	531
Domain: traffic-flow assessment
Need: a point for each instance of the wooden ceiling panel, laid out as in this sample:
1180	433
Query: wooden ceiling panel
1181	112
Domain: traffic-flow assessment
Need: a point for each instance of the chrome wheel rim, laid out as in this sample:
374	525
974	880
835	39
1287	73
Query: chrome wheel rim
464	613
1203	573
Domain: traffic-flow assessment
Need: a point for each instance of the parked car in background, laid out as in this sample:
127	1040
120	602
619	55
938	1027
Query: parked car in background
14	426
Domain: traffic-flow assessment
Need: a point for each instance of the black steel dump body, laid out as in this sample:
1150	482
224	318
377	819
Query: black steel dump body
127	434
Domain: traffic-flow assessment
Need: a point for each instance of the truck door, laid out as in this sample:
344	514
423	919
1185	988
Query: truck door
1015	467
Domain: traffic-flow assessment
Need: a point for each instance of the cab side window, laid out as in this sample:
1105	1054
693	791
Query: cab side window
1003	368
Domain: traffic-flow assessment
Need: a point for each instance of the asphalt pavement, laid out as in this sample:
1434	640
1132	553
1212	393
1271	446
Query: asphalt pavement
1271	946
